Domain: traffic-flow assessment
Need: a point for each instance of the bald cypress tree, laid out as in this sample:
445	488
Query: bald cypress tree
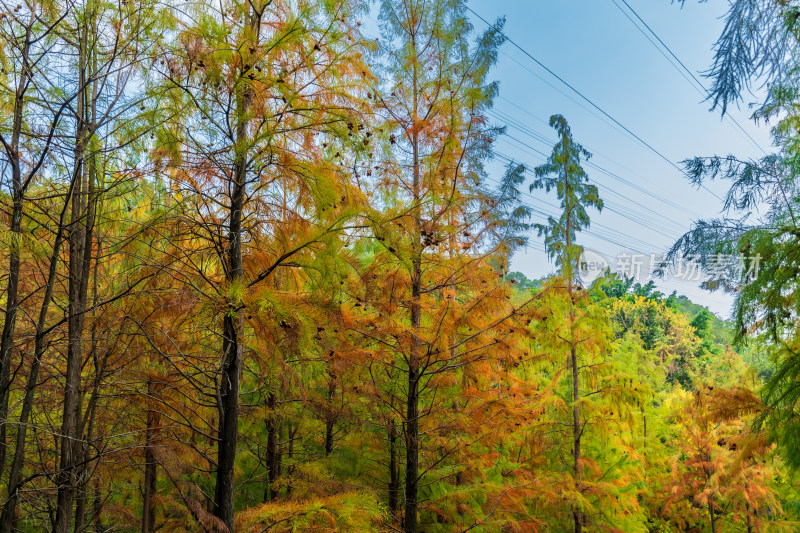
563	173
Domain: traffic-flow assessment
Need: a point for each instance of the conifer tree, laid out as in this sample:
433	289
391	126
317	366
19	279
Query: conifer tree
563	173
436	263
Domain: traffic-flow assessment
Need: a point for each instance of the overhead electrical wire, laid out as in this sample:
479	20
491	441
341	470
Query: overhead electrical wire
527	130
598	230
680	66
632	214
637	218
591	103
615	175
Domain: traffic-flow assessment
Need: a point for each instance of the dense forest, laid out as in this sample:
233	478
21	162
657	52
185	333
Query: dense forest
255	276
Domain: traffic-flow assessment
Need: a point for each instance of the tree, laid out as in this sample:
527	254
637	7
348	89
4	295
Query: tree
758	41
439	292
257	82
563	173
722	467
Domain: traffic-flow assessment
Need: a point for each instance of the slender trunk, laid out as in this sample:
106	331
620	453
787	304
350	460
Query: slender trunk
150	467
8	516
272	448
97	508
330	419
12	286
79	268
412	448
230	371
230	374
576	434
81	495
412	399
569	269
10	321
394	475
712	515
90	418
328	437
80	261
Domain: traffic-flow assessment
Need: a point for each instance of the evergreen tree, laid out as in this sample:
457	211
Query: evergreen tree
563	173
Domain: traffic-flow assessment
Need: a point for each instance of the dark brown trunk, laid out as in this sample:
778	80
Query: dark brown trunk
231	368
412	399
330	418
229	381
394	474
82	475
97	508
150	467
569	270
80	265
89	420
576	434
272	448
712	515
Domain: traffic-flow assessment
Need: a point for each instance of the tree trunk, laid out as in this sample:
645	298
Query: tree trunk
80	262
394	475
97	508
230	371
80	258
330	419
272	448
150	467
229	377
576	435
12	286
412	449
712	515
412	399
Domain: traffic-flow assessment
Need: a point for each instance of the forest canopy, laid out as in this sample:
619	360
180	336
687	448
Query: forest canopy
255	275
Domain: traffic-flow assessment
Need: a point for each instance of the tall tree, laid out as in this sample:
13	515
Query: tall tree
257	81
438	310
563	173
756	258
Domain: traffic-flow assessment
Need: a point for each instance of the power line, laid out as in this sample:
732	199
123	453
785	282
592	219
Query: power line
591	103
598	230
608	172
640	220
630	214
700	85
507	120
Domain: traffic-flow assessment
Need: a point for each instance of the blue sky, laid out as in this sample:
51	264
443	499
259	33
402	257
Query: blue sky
594	47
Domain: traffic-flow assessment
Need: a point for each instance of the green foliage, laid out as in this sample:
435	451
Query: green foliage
563	173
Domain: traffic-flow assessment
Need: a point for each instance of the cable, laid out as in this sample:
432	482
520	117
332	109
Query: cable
591	103
640	218
598	230
541	138
702	89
